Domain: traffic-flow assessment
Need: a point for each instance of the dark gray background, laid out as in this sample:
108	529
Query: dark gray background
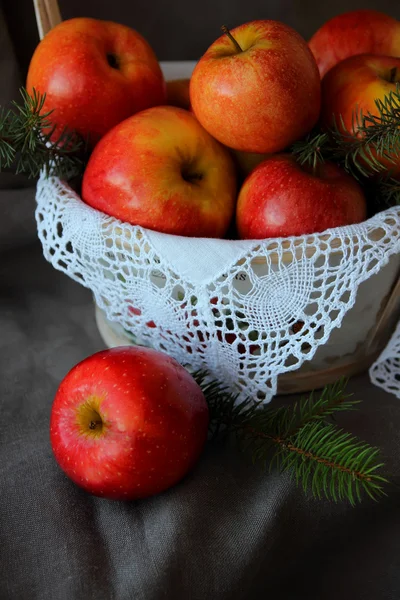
228	531
183	29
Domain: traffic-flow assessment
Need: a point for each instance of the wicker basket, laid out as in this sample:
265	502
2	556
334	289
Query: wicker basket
350	349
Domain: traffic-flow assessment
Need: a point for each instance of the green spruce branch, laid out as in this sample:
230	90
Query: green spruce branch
369	153
377	144
29	142
298	439
388	191
314	149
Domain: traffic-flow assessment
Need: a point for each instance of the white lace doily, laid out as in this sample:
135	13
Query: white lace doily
385	372
247	311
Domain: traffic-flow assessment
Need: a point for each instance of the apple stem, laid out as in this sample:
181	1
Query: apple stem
230	36
93	424
393	73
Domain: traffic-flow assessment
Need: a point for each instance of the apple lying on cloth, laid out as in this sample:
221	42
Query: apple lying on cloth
281	198
128	423
257	88
160	169
352	87
355	32
95	74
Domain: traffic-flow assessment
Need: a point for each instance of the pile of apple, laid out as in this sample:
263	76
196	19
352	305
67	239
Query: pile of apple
257	89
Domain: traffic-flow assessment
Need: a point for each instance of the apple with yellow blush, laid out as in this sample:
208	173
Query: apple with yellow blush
352	87
160	169
257	88
95	74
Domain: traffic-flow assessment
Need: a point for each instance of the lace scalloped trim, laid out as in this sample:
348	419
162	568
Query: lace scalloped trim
246	311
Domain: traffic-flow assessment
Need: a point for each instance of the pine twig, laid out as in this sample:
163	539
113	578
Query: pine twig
373	143
331	400
388	191
29	142
368	149
332	462
226	413
7	152
313	150
298	439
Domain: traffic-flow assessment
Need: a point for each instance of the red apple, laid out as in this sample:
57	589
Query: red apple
352	86
95	74
355	32
178	93
257	89
281	198
128	423
160	169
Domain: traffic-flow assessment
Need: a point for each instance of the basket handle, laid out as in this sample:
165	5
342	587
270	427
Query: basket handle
47	15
